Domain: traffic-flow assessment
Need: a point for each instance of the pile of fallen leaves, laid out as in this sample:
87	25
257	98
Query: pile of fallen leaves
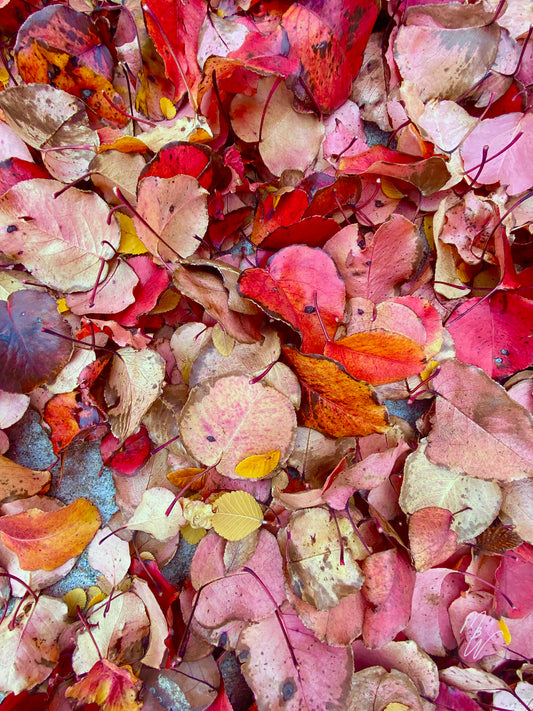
272	259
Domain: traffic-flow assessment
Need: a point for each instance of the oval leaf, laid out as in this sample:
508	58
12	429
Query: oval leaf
257	466
237	515
46	540
334	402
378	356
226	420
29	356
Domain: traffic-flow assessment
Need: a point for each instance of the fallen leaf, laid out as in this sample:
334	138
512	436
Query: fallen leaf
35	228
112	688
479	442
293	675
257	466
224	420
377	356
430	485
17	481
136	378
333	401
30	636
29	355
47	540
176	210
151	514
299	280
236	515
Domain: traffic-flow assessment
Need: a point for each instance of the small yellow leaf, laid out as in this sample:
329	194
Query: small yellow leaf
222	341
129	242
62	306
4	76
390	190
77	597
257	466
95	595
167	107
396	706
192	535
505	631
237	514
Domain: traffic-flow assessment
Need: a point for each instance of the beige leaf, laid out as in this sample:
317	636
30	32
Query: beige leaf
136	379
150	516
176	208
427	484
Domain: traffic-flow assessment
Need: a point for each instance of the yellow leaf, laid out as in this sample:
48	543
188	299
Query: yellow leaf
129	242
192	535
390	190
4	77
505	631
222	341
167	107
237	514
62	306
395	706
95	595
77	597
257	466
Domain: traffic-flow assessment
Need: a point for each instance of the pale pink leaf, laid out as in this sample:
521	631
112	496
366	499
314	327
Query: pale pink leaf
288	668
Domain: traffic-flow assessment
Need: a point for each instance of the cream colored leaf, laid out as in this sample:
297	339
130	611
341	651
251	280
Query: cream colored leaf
150	516
62	240
29	641
237	514
136	379
427	484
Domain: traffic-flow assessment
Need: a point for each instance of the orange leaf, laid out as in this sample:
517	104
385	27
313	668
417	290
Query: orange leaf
125	144
46	540
37	63
113	688
17	481
334	402
378	356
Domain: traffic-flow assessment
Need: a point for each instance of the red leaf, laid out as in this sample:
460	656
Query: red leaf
296	282
175	35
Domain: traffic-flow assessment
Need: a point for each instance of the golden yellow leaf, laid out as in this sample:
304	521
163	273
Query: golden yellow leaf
77	597
129	242
167	107
192	535
257	466
237	514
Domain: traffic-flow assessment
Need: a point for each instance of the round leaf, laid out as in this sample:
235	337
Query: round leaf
226	420
28	355
237	515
